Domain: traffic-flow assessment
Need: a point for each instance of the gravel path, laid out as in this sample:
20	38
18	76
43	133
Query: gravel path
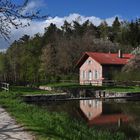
9	130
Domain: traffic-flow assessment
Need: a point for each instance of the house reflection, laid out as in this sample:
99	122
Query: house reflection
92	110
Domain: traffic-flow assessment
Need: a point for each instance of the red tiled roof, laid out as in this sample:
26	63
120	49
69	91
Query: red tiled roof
106	58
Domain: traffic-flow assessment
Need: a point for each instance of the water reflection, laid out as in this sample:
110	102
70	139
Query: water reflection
91	108
95	113
107	114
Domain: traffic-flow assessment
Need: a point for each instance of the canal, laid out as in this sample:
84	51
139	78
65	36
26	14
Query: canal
108	115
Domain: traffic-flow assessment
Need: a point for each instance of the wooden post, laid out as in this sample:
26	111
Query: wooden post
119	122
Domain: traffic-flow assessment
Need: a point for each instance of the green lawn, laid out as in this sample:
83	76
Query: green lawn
62	84
21	90
50	126
67	85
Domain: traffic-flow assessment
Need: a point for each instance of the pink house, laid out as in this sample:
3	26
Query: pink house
96	67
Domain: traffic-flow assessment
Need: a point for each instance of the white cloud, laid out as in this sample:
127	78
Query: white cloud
33	5
3	50
80	18
38	26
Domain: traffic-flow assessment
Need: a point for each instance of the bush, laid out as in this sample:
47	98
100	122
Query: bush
127	76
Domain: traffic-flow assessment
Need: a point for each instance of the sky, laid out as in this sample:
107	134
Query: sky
59	10
100	8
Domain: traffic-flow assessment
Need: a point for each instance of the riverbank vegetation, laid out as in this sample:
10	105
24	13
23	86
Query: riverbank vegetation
51	125
113	88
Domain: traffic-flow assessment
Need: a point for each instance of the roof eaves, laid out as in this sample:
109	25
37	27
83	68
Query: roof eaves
78	64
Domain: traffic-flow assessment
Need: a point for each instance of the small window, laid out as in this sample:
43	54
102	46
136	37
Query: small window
89	61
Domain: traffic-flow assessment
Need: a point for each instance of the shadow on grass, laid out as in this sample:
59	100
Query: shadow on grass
11	131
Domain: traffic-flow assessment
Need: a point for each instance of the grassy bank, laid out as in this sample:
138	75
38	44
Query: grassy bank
46	125
107	88
21	90
122	88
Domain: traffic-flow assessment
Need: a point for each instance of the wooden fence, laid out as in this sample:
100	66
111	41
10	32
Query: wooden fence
5	86
111	83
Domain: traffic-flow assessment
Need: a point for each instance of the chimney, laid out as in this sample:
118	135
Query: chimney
120	54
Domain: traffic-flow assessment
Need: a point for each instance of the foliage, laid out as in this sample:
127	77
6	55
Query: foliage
130	71
128	76
133	65
52	57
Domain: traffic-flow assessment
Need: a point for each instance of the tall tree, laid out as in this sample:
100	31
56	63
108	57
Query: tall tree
49	61
51	34
67	29
115	30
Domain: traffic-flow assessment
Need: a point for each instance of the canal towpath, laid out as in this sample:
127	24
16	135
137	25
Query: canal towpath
10	130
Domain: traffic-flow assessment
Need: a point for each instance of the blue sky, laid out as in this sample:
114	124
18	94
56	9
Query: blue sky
128	9
59	10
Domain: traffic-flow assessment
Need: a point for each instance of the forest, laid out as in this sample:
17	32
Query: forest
52	57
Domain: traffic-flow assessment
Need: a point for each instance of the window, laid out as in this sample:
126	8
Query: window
89	62
84	75
96	74
90	75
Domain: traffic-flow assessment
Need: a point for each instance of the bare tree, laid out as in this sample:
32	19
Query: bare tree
133	64
12	15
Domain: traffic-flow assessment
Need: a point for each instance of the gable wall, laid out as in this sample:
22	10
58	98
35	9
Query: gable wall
94	67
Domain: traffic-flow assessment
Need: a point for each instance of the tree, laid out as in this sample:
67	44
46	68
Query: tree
49	61
103	30
3	67
14	57
116	24
11	15
51	34
67	29
134	33
115	29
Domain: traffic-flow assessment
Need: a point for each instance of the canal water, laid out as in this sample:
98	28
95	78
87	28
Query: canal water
113	115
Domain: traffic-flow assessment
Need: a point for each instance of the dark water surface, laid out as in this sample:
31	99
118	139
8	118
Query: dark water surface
114	115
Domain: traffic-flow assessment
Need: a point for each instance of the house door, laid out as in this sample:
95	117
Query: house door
90	75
